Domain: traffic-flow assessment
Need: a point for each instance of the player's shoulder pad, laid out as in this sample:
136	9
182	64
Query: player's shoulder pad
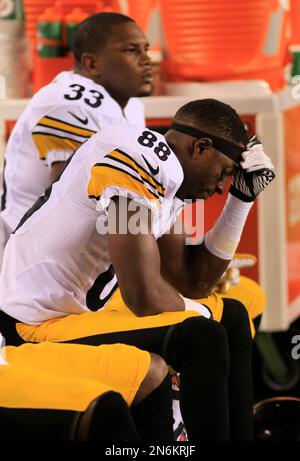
82	91
146	149
135	112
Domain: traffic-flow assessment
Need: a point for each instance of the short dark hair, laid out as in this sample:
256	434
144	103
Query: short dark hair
94	31
213	115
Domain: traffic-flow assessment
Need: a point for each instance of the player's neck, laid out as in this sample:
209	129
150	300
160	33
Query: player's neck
122	102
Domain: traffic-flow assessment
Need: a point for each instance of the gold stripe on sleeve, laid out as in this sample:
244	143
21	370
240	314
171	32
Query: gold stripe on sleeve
46	143
103	176
117	155
66	127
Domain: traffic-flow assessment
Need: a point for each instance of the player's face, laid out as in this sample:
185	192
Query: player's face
213	173
205	175
126	69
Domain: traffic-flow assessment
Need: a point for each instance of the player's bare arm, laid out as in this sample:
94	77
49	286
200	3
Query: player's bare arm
56	169
136	260
191	269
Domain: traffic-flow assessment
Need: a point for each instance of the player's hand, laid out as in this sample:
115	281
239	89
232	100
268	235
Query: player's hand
232	274
255	172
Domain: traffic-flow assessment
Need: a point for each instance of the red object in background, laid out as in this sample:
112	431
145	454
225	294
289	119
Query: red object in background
225	40
45	69
158	122
139	10
9	127
295	22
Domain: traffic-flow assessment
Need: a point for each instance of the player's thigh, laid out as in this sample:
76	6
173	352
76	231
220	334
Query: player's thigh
117	366
25	387
93	324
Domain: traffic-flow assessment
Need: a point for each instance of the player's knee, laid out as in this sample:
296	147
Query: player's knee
157	373
203	338
106	418
202	332
237	309
153	413
235	316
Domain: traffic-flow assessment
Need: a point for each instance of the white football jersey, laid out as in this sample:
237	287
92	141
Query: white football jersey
58	119
57	262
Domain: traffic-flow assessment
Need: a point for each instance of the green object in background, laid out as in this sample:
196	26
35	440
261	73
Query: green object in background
50	39
71	29
72	20
11	9
296	61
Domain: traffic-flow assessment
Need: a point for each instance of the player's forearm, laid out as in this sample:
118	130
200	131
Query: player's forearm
204	264
152	298
203	270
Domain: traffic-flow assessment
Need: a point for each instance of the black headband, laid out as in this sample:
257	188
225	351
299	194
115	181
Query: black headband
225	147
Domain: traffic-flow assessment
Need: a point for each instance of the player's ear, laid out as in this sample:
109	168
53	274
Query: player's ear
201	145
91	64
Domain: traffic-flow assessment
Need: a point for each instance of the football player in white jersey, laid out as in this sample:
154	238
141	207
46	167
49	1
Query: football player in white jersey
112	67
62	264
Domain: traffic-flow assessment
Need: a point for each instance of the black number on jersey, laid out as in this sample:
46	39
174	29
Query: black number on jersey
94	98
148	139
93	300
76	92
162	151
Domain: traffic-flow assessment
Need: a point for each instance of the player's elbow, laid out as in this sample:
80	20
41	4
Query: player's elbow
145	301
138	302
196	289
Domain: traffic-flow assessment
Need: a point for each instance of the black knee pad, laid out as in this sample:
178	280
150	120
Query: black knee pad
196	337
39	425
236	321
162	393
107	418
235	317
153	415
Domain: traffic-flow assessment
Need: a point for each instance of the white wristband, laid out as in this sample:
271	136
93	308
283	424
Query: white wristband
223	239
191	305
2	343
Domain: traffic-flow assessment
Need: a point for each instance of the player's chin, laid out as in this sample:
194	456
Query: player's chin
204	195
145	90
